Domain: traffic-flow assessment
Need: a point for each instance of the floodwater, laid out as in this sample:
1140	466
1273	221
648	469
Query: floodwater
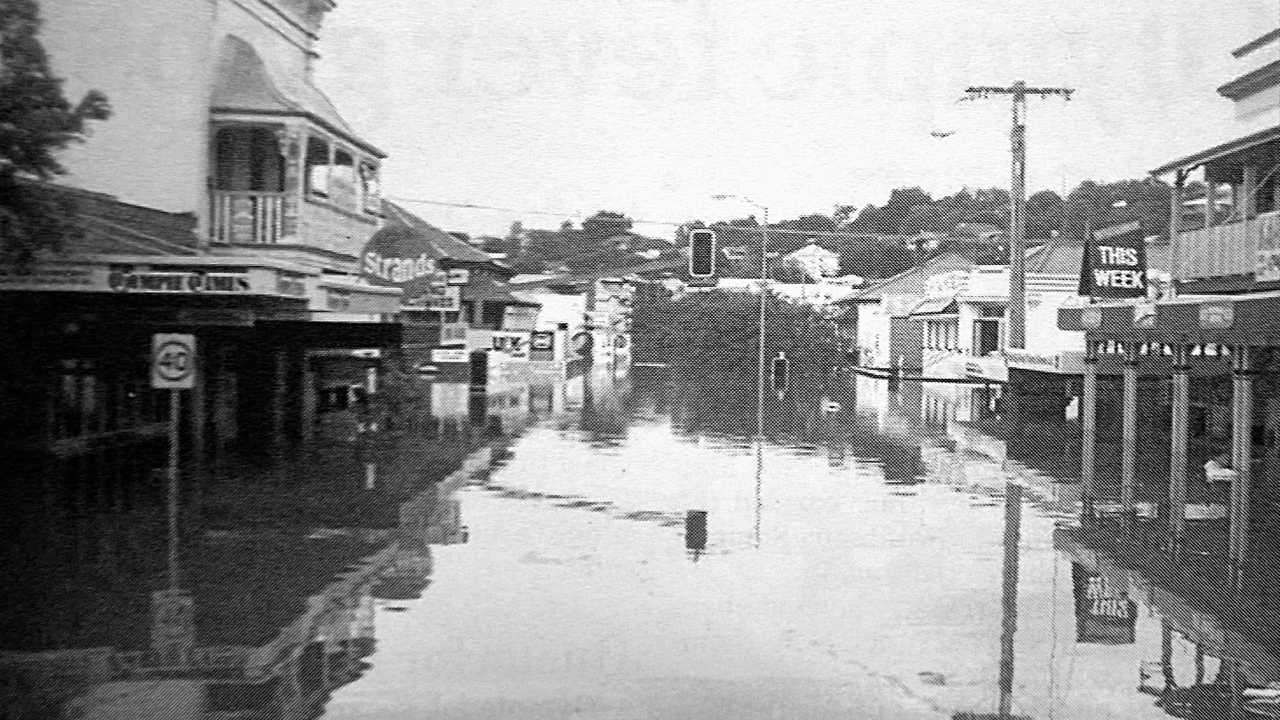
620	547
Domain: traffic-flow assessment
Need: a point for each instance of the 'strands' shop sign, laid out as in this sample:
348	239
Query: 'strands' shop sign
1115	263
400	257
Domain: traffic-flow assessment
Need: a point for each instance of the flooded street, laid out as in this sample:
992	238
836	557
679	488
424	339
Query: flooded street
616	547
859	576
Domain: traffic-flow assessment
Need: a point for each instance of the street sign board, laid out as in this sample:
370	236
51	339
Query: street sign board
173	361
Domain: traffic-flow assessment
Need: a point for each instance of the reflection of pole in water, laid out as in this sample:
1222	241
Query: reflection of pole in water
759	485
695	532
1009	593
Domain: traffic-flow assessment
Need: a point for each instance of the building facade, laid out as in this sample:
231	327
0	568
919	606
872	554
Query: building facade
226	198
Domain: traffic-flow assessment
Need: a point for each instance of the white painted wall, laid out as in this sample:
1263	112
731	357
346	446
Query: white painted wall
156	70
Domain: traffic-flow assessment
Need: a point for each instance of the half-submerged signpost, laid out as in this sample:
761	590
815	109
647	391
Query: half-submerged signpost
173	368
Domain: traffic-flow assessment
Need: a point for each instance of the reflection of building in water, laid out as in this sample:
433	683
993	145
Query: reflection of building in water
289	674
1212	664
450	403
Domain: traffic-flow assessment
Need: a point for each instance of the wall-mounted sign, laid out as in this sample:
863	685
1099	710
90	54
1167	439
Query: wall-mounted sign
399	256
1267	259
449	299
449	355
1218	315
124	278
290	284
1091	318
514	345
1144	315
459	276
1114	263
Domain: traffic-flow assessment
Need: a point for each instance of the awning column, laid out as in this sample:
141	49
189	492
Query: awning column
1088	430
1241	455
1178	430
1129	431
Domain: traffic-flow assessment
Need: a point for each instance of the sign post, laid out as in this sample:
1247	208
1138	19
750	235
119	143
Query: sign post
173	368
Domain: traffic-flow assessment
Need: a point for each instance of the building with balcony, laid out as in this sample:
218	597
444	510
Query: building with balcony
227	198
1221	328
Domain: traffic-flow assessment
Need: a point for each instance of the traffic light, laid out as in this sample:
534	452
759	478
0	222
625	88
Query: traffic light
702	253
781	369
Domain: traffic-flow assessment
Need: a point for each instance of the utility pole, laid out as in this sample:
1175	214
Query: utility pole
1017	196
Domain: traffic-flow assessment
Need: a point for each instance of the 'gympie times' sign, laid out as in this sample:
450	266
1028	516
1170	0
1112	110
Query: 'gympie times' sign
1115	263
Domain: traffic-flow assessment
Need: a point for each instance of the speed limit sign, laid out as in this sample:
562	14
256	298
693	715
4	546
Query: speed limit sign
173	361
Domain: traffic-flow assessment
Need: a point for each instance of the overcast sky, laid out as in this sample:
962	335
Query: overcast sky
650	106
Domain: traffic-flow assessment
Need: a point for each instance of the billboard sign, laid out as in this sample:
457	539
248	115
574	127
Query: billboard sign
1114	264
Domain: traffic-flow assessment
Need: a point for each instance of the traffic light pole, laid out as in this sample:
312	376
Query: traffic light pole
1018	200
764	289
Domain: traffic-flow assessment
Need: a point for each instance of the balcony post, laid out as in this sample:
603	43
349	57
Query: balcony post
1175	222
291	145
1210	202
1248	188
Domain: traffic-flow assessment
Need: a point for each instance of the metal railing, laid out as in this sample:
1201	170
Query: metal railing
247	217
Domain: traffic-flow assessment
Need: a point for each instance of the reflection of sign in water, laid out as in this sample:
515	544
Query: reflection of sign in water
1104	615
173	628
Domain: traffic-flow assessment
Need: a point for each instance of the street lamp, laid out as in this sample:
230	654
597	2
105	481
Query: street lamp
764	279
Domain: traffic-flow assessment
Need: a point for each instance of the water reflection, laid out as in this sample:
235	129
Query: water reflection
282	566
629	549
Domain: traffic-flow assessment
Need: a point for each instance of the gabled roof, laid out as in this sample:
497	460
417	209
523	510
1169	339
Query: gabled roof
912	281
1055	257
437	242
243	83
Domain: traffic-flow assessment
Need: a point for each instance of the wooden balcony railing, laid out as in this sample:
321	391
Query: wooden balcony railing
1221	250
247	217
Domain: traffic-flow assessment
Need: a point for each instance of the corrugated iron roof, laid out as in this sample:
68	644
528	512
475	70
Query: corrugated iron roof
244	83
438	243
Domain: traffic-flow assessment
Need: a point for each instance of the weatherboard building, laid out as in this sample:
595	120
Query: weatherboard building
1210	347
226	198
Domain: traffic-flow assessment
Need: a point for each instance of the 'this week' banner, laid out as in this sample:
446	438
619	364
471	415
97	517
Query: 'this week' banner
1115	263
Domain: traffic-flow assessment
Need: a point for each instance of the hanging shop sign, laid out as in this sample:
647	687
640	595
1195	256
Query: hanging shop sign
1114	263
